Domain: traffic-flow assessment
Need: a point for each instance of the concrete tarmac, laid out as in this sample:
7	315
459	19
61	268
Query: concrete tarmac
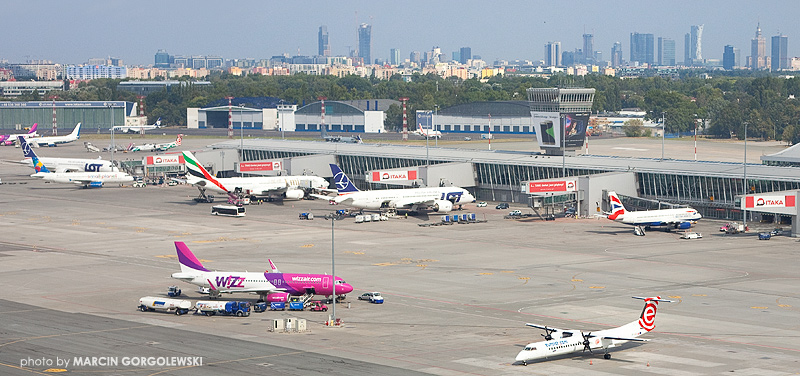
75	262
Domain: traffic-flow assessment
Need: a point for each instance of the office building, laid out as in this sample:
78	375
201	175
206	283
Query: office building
642	48
758	51
695	46
394	56
666	51
415	57
324	47
780	58
162	59
588	48
552	54
730	57
91	72
465	55
616	55
365	43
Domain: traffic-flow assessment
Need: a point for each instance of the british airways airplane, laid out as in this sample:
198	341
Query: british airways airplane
270	286
673	218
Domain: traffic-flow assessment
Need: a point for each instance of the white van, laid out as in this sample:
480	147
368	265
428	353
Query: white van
691	235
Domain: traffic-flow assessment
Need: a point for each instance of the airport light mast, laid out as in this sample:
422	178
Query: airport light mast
405	118
230	117
322	112
55	127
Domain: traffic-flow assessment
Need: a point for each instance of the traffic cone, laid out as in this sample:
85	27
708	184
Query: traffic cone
648	364
590	362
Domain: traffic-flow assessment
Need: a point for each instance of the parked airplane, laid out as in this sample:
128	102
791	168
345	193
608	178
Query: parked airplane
270	286
335	138
291	187
439	199
56	140
65	164
158	147
675	218
87	179
427	132
565	341
10	139
138	128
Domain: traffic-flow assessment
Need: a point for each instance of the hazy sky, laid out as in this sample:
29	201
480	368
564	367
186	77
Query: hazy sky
76	30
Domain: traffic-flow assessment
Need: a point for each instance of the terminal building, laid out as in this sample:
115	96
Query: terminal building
93	115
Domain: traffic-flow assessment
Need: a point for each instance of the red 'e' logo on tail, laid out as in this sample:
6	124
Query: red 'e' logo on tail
648	319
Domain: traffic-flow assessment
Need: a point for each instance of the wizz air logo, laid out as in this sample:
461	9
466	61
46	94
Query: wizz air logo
92	167
452	196
230	282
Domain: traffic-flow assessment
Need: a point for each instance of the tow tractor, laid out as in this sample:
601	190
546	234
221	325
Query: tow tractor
317	306
173	291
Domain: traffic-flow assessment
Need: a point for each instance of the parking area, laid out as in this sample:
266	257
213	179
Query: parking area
456	297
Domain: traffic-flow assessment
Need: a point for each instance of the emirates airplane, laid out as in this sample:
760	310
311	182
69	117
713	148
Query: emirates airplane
566	341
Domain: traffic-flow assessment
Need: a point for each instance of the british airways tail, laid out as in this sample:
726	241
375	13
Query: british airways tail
28	153
343	183
617	208
187	259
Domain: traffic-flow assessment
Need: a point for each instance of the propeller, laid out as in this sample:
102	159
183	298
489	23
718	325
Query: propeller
586	342
548	331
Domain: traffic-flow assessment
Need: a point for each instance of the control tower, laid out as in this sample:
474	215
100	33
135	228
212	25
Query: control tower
560	117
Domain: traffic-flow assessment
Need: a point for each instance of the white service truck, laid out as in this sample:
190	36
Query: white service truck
152	303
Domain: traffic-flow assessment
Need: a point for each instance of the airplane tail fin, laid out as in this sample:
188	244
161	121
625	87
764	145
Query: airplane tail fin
273	267
178	140
33	128
198	172
130	146
77	131
617	208
187	259
158	122
343	183
647	320
28	152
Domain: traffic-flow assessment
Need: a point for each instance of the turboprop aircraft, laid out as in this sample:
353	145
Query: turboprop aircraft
567	341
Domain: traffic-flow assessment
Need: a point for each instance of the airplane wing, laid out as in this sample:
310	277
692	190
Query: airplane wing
544	327
322	197
408	202
625	339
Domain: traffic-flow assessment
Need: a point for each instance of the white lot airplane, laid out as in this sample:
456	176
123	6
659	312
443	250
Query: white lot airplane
291	187
65	164
138	128
159	147
427	132
674	218
564	341
439	199
56	140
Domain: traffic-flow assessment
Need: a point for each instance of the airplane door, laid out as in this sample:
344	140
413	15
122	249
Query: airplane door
325	282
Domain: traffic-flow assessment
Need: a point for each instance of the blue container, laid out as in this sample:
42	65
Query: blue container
277	306
455	217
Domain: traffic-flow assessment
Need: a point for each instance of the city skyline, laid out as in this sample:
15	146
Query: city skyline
264	29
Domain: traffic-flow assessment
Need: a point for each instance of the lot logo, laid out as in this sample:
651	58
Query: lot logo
342	182
452	196
92	167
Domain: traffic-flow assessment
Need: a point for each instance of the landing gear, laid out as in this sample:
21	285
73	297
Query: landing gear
203	197
524	363
606	356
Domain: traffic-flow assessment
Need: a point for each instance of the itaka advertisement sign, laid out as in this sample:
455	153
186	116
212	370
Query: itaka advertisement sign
164	160
756	202
384	176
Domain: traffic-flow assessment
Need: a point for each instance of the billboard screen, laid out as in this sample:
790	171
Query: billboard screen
260	166
394	175
550	186
575	126
424	119
546	125
164	160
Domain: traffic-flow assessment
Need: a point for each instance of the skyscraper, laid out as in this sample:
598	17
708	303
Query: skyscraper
729	57
322	41
642	48
394	56
758	51
465	55
695	46
552	54
162	59
780	59
588	48
666	51
364	42
616	55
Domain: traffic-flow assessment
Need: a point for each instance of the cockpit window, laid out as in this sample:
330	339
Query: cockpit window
339	282
566	335
530	348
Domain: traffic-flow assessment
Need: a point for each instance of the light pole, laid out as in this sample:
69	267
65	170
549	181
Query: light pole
663	131
332	217
695	137
746	189
433	120
563	148
113	145
241	133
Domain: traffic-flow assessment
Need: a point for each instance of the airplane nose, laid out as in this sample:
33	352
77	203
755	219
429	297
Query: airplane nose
346	288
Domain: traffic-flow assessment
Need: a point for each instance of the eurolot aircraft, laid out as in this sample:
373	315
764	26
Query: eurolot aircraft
56	140
675	218
291	187
438	199
87	179
270	286
158	147
65	164
565	341
10	139
138	128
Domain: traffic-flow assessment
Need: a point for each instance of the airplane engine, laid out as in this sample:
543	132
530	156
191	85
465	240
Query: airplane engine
442	206
278	297
684	225
96	184
294	194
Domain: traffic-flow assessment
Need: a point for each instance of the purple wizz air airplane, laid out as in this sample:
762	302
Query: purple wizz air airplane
10	139
270	286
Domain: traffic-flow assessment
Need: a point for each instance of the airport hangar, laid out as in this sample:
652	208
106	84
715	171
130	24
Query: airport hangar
715	189
93	115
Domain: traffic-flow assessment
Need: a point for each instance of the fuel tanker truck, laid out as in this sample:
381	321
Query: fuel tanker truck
178	306
213	307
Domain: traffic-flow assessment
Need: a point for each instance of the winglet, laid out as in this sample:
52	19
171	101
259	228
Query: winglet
273	267
28	153
343	183
187	259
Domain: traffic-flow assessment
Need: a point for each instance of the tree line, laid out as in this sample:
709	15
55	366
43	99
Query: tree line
767	105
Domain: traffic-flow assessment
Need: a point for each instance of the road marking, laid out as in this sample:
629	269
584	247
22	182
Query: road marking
577	280
55	370
597	287
506	271
785	305
699	295
355	252
306	246
485	273
674	296
756	307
